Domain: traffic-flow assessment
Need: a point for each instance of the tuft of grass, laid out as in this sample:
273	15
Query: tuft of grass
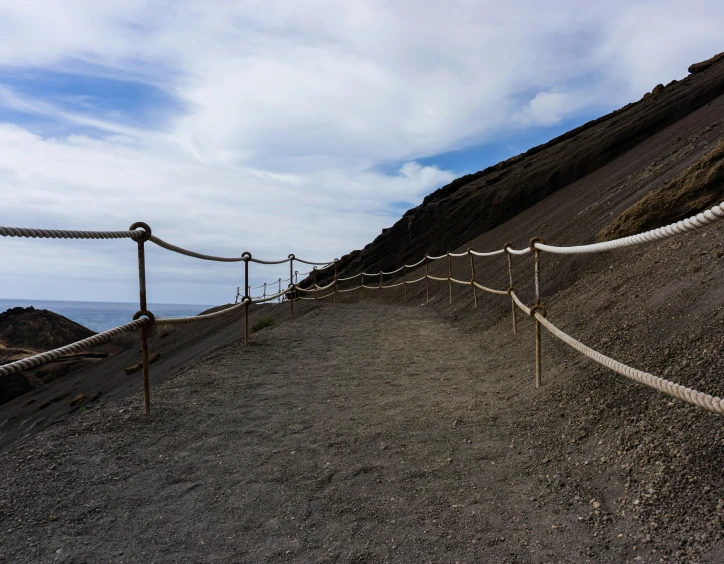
695	189
261	323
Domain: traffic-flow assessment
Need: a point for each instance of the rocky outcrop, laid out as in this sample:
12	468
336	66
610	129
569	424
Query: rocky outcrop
39	329
702	66
25	331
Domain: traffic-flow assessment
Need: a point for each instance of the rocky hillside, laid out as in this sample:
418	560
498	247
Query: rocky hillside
27	331
476	203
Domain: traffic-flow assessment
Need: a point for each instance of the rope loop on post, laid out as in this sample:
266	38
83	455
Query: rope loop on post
535	240
145	313
291	256
506	246
146	231
538	308
246	256
511	290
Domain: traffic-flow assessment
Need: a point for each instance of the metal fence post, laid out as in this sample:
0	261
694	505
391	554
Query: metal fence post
246	255
314	270
405	281
537	308
362	286
449	273
379	292
472	272
427	281
511	288
336	261
143	312
291	286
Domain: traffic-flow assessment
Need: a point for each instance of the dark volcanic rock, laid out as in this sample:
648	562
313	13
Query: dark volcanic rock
39	329
702	66
13	386
479	202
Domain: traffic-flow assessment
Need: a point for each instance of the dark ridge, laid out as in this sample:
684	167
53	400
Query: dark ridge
476	203
39	329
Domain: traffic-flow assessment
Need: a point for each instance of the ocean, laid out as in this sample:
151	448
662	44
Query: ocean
100	316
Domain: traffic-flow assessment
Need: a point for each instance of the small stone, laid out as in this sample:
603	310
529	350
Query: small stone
77	400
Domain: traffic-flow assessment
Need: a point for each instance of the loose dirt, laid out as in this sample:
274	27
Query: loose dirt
365	433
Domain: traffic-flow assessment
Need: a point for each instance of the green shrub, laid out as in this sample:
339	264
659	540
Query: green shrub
261	323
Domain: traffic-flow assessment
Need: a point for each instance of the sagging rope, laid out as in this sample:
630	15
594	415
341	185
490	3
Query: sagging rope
694	397
42	358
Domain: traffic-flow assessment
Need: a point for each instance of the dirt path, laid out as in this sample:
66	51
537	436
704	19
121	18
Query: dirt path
363	434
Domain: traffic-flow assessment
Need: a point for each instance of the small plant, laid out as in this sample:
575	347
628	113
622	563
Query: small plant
261	323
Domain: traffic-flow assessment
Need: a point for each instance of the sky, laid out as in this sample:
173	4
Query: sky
280	127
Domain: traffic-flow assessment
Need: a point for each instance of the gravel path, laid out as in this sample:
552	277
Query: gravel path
363	434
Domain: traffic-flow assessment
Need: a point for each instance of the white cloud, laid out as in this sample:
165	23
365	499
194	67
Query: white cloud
288	112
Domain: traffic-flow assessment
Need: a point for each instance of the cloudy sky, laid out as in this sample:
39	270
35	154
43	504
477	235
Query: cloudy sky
286	126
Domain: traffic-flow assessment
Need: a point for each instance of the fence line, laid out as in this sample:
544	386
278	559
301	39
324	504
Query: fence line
143	319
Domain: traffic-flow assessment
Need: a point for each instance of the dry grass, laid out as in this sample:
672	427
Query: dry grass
698	187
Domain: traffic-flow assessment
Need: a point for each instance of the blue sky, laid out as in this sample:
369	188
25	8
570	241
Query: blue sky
299	127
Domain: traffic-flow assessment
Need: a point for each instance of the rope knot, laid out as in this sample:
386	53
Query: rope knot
145	313
146	235
538	308
535	240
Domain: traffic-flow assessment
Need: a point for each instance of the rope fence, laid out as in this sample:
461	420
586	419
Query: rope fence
143	319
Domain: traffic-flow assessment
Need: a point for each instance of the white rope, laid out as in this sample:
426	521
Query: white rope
490	254
695	222
491	290
418	263
460	281
42	358
694	397
351	289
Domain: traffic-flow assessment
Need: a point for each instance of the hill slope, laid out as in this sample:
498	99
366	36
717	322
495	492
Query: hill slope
474	204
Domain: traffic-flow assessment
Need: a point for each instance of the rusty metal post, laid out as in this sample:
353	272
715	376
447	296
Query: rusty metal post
405	282
449	273
336	261
472	272
427	281
143	312
314	270
537	308
291	286
511	288
247	298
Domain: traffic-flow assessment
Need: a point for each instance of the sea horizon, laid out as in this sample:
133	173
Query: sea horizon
101	316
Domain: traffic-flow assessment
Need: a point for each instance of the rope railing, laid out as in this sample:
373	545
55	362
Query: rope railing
143	320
